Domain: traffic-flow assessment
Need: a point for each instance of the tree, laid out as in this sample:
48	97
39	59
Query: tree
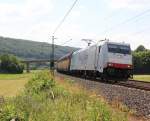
140	48
141	61
10	64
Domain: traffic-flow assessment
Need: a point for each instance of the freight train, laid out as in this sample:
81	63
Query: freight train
107	60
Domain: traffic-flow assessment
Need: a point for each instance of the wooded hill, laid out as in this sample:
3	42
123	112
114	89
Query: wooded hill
27	49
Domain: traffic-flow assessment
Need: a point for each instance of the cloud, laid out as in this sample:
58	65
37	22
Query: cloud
37	7
75	14
74	32
29	9
26	20
18	19
134	39
36	20
130	4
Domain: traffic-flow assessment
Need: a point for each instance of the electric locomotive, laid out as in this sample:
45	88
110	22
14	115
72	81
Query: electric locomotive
104	59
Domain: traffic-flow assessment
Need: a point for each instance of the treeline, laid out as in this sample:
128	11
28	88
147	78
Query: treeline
10	64
141	60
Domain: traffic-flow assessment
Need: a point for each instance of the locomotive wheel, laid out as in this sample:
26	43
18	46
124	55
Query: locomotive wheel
104	78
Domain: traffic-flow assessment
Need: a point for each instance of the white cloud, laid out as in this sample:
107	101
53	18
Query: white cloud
133	39
75	14
20	19
26	20
37	7
30	9
130	4
74	32
29	20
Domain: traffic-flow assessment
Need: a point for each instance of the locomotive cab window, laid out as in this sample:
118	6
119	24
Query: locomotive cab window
122	49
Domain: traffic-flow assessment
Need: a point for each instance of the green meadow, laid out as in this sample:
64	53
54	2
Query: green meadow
145	78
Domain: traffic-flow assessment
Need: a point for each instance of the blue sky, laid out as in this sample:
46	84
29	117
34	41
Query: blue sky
89	19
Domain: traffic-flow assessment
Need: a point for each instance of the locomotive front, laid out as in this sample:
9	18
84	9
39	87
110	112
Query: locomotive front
119	60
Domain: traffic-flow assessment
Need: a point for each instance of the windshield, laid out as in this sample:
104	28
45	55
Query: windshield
123	49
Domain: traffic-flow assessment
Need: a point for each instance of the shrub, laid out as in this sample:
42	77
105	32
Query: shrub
10	64
40	82
141	62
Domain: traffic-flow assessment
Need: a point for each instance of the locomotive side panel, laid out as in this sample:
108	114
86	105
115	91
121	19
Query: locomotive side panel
102	58
91	58
85	59
79	60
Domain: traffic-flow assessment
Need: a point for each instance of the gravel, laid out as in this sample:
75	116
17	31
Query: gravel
135	99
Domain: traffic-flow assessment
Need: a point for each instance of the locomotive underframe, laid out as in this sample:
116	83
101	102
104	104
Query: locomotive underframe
118	73
108	73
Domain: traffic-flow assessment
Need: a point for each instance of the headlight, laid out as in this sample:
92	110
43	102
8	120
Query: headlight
110	64
129	66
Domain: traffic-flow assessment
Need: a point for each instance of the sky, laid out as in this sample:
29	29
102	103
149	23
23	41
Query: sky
90	19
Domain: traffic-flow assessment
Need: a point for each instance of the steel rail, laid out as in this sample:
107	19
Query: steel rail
135	84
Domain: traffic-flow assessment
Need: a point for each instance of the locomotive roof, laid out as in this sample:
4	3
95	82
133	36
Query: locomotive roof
119	43
111	42
101	43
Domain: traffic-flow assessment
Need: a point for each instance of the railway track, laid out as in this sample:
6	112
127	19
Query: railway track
141	85
135	84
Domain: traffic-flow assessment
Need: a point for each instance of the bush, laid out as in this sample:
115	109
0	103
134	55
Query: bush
40	82
141	62
10	64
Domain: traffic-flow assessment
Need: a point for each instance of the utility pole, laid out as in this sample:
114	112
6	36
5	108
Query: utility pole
53	38
52	58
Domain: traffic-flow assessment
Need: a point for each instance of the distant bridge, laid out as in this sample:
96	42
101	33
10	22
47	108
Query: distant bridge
28	62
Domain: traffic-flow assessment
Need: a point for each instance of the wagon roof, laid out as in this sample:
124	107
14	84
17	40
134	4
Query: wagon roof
66	56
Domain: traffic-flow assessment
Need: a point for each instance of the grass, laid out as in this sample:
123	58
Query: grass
115	112
12	84
142	78
44	99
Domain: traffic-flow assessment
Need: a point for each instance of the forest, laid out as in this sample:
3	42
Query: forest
26	49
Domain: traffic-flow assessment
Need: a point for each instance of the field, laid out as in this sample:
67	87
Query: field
12	84
142	78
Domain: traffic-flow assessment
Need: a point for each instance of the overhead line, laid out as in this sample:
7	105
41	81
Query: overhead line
135	33
57	27
128	20
65	42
